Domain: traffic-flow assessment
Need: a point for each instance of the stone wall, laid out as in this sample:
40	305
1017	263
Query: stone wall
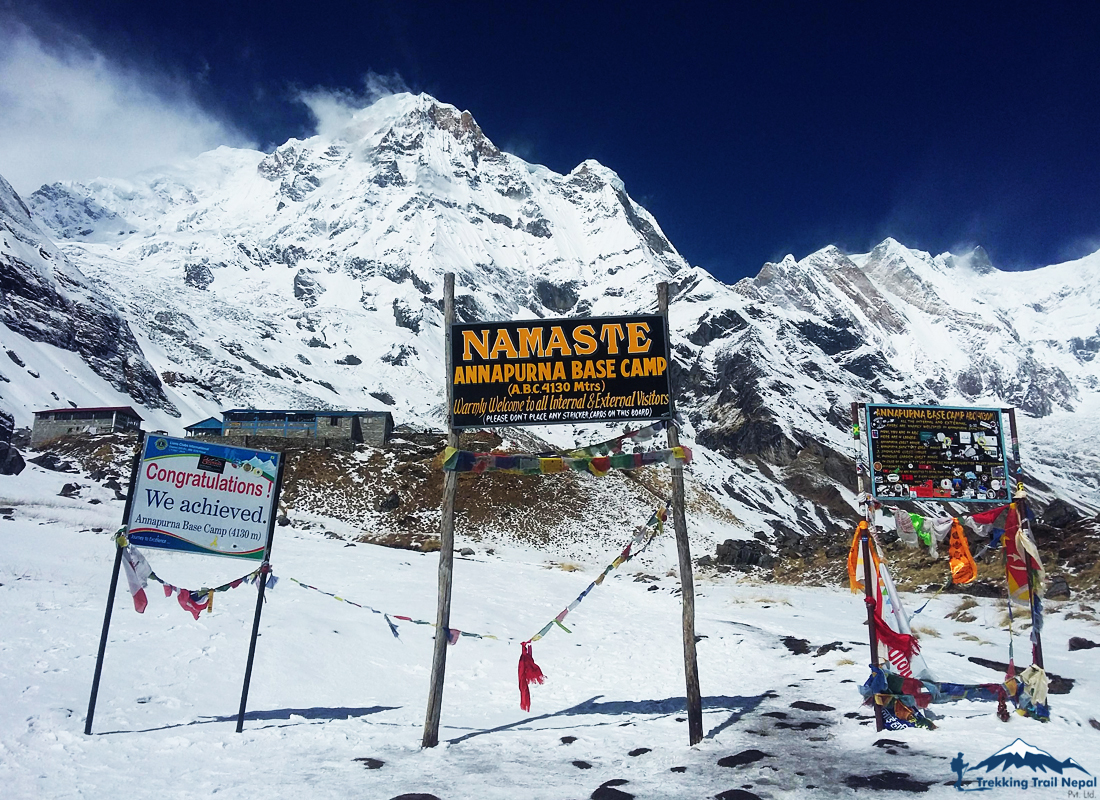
278	444
376	430
324	429
47	428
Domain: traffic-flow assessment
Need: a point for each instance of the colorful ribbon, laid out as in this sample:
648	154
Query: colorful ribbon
903	697
195	601
529	671
643	536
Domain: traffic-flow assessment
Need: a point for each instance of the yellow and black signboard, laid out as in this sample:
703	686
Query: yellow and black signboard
938	453
550	371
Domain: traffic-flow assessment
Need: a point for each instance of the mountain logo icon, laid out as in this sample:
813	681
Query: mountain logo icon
1017	755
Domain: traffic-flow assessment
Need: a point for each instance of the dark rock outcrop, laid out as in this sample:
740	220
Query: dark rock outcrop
47	299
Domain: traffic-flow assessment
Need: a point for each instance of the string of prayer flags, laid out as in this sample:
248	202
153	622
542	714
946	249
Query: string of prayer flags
907	695
452	634
455	460
529	671
195	601
963	568
641	540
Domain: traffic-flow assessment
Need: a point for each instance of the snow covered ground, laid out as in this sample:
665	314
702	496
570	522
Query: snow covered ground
332	685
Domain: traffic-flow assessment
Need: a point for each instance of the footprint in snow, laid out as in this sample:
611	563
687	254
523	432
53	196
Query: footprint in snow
806	705
896	781
742	758
607	791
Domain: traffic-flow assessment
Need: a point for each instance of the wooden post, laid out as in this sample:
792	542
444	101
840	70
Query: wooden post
683	551
869	593
260	593
111	592
446	543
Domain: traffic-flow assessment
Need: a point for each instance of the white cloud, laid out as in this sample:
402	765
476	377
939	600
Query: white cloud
333	109
67	112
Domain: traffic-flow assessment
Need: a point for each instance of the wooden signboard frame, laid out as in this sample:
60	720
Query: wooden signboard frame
865	474
447	529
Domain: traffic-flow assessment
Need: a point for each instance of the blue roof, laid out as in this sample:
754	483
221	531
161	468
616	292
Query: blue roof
210	423
319	412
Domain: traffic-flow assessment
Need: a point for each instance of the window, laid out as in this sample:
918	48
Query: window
333	421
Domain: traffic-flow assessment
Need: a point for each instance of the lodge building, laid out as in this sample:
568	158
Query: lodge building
58	422
243	425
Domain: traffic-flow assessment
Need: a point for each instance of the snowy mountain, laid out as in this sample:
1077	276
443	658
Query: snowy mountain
311	277
46	301
1022	754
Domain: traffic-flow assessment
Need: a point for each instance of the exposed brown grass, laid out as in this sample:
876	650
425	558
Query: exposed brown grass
961	612
926	630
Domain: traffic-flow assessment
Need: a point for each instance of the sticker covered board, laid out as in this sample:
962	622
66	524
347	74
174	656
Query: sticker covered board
937	453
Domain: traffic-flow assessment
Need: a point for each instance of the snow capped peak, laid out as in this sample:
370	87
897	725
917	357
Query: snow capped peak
596	173
407	121
310	277
1020	748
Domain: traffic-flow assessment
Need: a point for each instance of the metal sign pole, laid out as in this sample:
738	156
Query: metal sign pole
1025	523
260	593
1033	589
111	592
865	544
683	551
446	545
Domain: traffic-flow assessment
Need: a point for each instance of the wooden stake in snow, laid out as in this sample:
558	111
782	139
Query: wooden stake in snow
683	551
446	545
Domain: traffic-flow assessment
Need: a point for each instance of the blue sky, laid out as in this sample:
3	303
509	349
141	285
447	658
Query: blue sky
750	130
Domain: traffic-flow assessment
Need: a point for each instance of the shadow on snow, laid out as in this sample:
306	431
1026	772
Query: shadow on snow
340	712
738	706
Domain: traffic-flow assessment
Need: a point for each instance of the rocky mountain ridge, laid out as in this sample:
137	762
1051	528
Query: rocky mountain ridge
310	277
45	299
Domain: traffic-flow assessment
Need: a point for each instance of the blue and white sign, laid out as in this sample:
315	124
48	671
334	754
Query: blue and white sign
205	498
